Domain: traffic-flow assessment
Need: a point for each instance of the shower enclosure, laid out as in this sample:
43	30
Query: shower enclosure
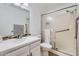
63	29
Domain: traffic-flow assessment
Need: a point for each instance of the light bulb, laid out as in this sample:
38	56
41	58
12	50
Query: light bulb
49	19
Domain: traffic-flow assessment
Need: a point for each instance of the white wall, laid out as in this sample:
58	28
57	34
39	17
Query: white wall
10	15
35	19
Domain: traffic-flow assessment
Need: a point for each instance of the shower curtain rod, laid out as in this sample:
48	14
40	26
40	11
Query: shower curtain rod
60	9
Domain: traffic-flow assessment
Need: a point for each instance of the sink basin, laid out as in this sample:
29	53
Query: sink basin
16	42
11	42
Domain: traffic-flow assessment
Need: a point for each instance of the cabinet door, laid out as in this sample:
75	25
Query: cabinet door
24	54
35	51
22	51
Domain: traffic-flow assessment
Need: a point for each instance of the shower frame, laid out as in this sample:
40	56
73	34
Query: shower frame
76	24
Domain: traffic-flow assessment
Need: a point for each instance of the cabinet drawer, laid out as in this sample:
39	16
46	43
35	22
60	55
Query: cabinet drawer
19	52
35	44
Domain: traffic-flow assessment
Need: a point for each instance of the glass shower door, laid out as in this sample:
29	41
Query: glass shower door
65	33
63	24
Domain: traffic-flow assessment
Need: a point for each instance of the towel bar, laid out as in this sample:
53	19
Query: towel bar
62	30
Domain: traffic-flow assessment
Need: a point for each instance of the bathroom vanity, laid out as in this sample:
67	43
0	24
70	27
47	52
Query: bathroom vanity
26	46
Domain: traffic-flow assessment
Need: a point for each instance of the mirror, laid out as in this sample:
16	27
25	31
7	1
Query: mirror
14	20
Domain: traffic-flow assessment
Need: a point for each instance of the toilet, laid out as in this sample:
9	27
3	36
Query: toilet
46	44
47	40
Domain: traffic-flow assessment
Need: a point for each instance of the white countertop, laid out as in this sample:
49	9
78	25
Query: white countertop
9	45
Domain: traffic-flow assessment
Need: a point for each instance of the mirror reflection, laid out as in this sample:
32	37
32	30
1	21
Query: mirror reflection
14	20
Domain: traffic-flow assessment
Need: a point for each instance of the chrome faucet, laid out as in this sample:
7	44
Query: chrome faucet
19	36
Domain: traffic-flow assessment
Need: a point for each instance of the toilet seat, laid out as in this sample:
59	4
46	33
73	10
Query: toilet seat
46	45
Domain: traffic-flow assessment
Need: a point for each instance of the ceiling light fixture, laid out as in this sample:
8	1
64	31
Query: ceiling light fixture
22	5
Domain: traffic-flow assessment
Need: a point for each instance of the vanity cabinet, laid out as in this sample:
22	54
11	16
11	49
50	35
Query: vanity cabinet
35	49
32	49
19	52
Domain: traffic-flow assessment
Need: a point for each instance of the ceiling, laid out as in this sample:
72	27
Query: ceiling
49	6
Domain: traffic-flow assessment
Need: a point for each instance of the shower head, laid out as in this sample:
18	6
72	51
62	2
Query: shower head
69	11
77	18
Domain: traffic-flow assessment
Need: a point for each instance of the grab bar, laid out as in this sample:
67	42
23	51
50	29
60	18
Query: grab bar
62	30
